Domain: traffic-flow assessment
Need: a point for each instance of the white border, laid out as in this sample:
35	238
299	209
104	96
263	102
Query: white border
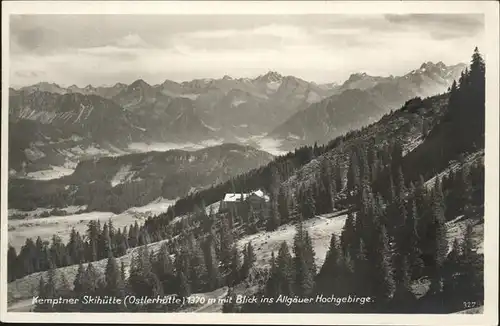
491	52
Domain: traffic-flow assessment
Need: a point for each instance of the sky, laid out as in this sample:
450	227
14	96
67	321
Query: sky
323	48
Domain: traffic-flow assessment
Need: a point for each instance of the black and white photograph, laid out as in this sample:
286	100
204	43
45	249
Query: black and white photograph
250	163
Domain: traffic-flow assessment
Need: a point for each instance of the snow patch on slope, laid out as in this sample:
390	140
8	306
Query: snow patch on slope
55	172
122	176
454	166
320	229
236	102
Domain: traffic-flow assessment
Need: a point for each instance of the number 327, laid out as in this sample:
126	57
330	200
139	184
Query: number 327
470	304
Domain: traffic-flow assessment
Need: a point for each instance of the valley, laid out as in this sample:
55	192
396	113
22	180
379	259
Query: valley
374	187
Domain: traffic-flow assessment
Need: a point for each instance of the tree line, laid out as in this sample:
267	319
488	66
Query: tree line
394	234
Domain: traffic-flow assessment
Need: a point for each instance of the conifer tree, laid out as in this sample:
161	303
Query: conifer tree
383	277
78	282
90	280
404	300
123	274
283	205
308	205
93	238
303	262
184	287
285	275
214	277
235	268
437	236
199	275
353	174
339	184
363	269
114	282
40	307
347	237
105	249
249	259
272	285
329	273
226	244
12	264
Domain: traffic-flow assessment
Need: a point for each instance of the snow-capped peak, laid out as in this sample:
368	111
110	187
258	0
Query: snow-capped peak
271	76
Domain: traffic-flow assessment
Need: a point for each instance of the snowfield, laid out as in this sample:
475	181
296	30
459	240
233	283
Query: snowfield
55	173
320	229
21	229
164	147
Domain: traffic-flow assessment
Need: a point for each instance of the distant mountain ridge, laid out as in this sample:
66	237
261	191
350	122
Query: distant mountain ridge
286	108
363	99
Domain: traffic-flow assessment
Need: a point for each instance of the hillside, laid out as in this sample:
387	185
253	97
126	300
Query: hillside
117	183
49	129
389	213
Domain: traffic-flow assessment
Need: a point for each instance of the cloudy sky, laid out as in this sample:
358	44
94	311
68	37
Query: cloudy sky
105	49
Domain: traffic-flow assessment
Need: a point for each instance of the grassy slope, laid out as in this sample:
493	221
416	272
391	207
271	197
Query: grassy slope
320	228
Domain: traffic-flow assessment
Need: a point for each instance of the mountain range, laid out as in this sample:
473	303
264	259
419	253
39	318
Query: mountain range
363	99
68	124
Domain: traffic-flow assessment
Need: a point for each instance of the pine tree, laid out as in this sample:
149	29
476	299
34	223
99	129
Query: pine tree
214	277
303	248
308	205
93	234
114	282
273	221
329	273
235	268
284	265
249	259
199	275
12	264
105	249
283	205
39	307
164	269
90	280
383	278
412	239
404	300
347	237
295	213
226	244
184	287
363	270
272	285
79	279
339	184
122	272
437	235
353	174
